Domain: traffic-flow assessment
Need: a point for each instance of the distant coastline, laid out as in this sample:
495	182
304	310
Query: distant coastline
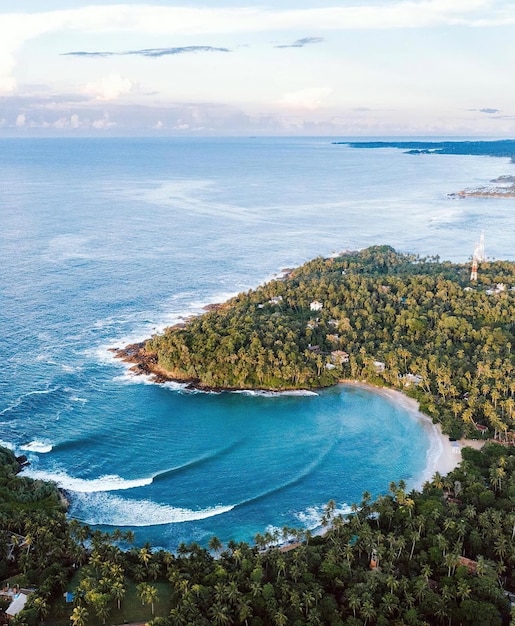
498	148
502	187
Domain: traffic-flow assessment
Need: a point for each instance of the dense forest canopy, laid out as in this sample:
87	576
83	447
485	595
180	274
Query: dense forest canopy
441	556
394	319
444	555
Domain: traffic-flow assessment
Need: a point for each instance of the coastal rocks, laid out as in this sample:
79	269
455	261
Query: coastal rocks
504	188
22	461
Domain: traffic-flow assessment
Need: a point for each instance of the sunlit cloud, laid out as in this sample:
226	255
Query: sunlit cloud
109	87
310	99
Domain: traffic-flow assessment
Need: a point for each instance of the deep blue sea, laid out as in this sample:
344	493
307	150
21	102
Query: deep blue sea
105	241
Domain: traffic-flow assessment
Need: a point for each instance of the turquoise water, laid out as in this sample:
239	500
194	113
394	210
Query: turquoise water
106	241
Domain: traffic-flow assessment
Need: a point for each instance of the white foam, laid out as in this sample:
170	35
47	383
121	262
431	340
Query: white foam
41	447
78	399
311	517
446	217
20	399
275	394
173	385
131	378
433	454
110	482
110	510
7	444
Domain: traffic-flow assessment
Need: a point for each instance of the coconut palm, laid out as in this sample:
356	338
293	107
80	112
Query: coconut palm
79	616
147	594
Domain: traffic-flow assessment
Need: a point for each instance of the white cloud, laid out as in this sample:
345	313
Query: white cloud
18	28
109	87
103	123
310	99
67	122
21	120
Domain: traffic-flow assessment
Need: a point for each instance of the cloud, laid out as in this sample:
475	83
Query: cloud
491	111
124	19
300	43
103	123
21	120
310	98
149	52
109	87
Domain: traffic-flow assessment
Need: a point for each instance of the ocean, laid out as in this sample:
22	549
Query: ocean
106	241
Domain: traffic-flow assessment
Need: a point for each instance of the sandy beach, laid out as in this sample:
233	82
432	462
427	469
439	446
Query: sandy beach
444	455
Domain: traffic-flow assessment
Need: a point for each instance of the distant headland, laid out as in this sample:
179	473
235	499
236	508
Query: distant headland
502	187
497	148
397	320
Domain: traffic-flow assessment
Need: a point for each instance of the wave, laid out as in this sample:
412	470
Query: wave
28	398
40	447
310	518
275	394
209	456
296	479
109	510
111	482
445	217
7	444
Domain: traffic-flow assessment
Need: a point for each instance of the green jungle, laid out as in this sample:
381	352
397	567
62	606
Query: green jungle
391	319
442	555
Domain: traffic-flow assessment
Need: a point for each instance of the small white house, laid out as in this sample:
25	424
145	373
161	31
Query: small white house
411	379
379	366
316	306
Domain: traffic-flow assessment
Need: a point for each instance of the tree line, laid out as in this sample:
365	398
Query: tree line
419	317
444	555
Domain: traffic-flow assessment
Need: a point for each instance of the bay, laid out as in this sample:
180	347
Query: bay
105	241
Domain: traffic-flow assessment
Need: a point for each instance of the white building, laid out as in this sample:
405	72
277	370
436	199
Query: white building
316	306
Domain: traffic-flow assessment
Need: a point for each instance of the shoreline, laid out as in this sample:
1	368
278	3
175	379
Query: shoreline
443	455
447	455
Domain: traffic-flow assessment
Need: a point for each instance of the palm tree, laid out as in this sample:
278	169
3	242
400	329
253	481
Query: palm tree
118	591
145	555
215	544
368	611
147	594
79	616
220	614
280	618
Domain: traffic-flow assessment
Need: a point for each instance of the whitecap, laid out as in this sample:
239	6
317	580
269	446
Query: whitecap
41	447
275	394
111	482
311	517
6	444
78	399
110	510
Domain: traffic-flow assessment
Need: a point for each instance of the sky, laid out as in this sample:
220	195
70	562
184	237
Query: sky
289	67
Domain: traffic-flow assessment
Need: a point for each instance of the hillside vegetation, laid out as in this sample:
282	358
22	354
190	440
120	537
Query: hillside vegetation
441	556
388	318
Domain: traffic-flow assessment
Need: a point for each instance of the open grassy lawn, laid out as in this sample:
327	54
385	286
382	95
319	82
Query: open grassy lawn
131	610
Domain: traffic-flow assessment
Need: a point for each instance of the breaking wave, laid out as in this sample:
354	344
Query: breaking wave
110	510
41	447
110	482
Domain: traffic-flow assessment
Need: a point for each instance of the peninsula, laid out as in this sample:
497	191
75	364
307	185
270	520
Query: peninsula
414	324
501	187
